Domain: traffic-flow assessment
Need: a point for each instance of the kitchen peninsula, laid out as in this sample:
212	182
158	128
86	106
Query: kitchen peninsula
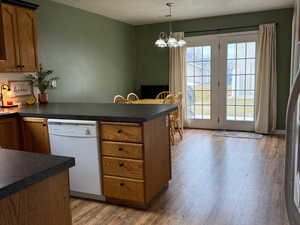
134	143
34	188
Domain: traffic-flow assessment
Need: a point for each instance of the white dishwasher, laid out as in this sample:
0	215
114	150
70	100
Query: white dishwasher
79	139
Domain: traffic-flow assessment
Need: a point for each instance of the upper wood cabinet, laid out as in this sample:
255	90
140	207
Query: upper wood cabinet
9	133
35	135
19	38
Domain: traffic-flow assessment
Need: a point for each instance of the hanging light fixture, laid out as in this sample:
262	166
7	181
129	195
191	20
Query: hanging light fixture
169	40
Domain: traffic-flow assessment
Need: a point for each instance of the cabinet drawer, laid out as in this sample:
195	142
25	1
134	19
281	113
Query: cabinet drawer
122	150
124	189
123	167
115	132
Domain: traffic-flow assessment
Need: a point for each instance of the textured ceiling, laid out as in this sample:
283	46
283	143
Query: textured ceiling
138	12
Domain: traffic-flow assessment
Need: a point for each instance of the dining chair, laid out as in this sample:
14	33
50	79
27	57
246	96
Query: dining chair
162	95
119	99
171	99
175	118
179	114
132	97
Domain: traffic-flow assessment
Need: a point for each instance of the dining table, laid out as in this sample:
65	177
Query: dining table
148	101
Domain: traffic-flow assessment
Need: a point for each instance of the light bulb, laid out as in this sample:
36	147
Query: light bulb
172	42
181	43
161	43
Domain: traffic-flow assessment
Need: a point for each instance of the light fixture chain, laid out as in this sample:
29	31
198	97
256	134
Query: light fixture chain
169	40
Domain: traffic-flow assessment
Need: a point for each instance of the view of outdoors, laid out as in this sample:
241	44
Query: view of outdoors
198	82
240	87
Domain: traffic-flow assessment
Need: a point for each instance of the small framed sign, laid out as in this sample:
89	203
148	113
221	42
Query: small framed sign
20	88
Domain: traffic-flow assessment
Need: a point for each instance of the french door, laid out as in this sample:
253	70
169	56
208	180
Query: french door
220	81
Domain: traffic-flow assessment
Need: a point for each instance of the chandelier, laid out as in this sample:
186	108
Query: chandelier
169	40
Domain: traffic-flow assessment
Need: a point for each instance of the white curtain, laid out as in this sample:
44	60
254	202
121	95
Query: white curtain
177	69
266	80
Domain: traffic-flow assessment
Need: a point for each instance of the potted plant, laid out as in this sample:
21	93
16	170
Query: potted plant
43	82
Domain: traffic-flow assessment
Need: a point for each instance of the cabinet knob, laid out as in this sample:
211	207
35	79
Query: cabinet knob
119	131
19	66
121	164
122	184
120	149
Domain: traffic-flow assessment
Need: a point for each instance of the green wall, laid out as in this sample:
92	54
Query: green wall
152	62
97	57
93	55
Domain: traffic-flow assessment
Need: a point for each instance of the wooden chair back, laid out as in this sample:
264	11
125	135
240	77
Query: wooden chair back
132	97
179	100
162	95
119	99
170	99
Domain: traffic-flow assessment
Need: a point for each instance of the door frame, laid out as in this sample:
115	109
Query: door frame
218	80
211	123
225	124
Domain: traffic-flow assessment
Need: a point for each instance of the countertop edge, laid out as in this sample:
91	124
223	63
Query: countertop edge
36	178
92	117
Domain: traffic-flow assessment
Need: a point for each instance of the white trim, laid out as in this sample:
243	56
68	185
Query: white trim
209	123
224	123
218	42
194	40
278	132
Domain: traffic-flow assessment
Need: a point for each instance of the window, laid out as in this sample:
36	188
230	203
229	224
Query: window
240	89
198	82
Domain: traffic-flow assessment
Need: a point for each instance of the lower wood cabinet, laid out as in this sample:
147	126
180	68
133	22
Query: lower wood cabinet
43	203
124	188
136	161
9	133
35	135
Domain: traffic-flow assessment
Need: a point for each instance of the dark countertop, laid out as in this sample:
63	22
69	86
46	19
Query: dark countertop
19	170
88	111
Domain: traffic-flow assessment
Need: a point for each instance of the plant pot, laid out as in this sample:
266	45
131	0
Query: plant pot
43	98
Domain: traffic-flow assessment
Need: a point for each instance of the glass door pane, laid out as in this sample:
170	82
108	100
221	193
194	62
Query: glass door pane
240	87
198	82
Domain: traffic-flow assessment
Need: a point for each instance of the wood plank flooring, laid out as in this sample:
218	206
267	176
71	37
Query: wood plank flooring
216	181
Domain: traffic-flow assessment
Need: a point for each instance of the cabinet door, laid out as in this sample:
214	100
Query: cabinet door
11	62
35	135
9	134
26	23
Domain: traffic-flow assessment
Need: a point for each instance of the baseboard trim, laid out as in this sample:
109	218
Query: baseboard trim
278	132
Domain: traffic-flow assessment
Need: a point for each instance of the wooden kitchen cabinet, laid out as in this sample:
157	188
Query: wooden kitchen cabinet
35	135
26	21
136	161
9	133
19	38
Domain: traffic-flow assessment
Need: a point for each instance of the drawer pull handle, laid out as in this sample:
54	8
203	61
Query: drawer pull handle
120	149
119	131
122	184
121	164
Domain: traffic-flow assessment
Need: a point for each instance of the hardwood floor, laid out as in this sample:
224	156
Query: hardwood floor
216	181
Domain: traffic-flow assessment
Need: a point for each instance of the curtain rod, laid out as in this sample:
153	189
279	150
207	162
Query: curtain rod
226	28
